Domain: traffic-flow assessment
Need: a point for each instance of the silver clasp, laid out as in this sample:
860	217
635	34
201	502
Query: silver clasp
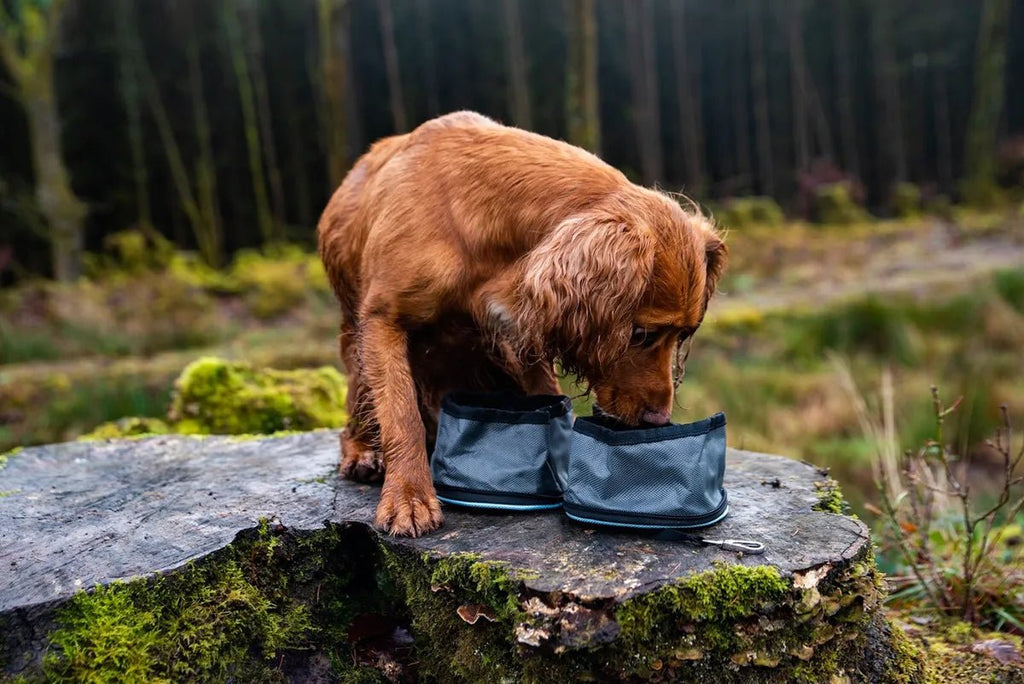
743	545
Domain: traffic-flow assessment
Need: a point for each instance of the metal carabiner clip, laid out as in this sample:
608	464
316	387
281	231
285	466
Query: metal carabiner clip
747	546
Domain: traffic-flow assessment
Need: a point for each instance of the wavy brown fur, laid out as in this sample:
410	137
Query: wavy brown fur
470	255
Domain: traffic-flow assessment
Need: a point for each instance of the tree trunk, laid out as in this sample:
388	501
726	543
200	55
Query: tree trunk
890	124
30	65
211	231
423	26
847	121
387	29
583	120
640	40
132	100
519	87
798	82
741	109
64	212
251	29
250	122
989	93
762	120
943	129
333	88
688	100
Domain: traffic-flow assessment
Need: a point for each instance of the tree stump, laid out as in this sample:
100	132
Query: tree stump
249	559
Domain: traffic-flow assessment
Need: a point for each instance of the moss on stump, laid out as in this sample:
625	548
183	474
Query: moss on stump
218	559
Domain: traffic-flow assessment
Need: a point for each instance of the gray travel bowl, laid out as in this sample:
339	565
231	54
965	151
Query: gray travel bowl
652	478
502	451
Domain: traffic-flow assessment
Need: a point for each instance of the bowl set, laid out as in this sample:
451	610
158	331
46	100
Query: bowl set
517	453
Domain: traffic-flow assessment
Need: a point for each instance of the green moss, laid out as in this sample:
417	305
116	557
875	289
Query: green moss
448	648
907	665
716	599
218	397
136	427
830	497
233	617
5	456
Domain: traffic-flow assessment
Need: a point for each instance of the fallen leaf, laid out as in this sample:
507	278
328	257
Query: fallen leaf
1003	651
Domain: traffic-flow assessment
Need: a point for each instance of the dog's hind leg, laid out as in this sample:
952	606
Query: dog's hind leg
361	458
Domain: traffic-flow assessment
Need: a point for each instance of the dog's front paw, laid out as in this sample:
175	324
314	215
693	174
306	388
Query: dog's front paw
407	509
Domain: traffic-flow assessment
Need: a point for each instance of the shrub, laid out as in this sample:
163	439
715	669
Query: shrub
278	280
906	200
742	212
834	203
959	557
130	252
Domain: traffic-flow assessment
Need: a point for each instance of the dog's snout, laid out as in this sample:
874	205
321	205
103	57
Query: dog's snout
657	417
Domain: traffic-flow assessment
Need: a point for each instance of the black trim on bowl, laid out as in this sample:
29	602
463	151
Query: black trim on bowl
624	518
502	407
609	431
506	498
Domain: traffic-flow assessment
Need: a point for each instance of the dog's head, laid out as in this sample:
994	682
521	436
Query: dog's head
617	292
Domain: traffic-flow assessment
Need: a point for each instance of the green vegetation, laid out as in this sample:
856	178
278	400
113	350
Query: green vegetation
906	200
216	397
743	212
232	617
834	205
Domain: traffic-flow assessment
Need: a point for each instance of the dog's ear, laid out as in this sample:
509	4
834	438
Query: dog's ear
717	255
581	286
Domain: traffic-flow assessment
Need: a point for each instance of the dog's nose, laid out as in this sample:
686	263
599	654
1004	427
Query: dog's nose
656	417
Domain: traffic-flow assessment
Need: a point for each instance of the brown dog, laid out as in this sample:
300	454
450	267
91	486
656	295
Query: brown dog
469	255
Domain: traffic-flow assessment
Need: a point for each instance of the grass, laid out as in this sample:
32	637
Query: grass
764	365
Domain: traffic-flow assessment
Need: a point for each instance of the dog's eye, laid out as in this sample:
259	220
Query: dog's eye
642	337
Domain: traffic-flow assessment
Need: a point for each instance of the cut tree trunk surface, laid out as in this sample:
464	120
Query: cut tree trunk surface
565	599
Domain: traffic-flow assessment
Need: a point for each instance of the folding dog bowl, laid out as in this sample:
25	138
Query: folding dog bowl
502	451
656	478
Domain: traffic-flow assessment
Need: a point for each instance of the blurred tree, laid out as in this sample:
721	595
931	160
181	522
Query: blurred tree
423	26
519	88
583	119
740	57
387	29
249	14
890	143
844	86
759	78
643	76
989	93
198	194
240	62
130	82
29	41
332	30
688	98
798	85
